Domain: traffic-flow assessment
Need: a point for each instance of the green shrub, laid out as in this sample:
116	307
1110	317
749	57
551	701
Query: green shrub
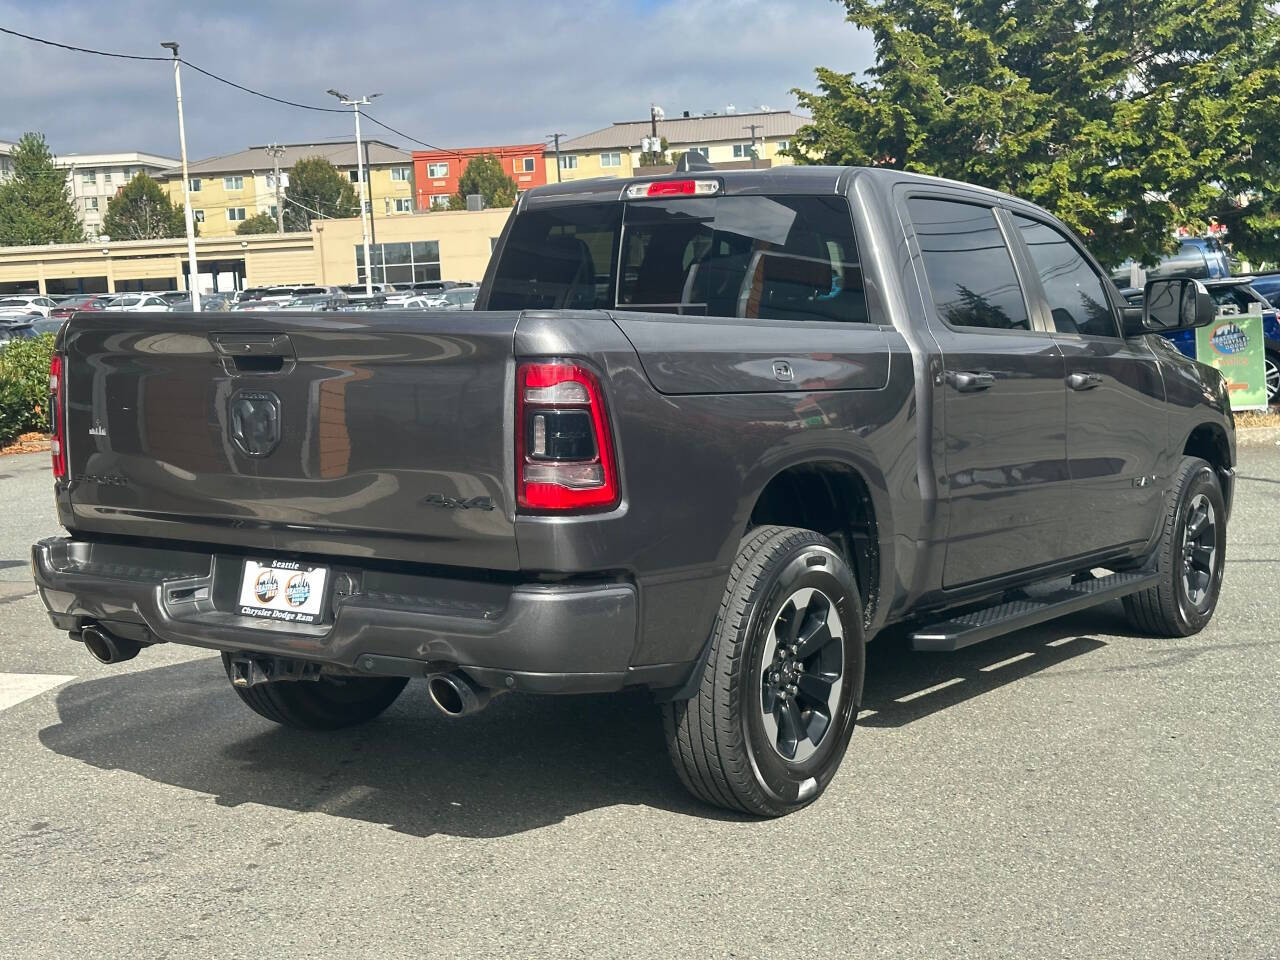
24	386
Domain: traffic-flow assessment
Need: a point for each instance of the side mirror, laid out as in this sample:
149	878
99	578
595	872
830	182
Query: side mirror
1176	304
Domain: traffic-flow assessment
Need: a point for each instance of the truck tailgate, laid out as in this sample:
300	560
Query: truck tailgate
379	434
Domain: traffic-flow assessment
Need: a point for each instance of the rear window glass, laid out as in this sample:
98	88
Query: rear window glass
781	258
969	268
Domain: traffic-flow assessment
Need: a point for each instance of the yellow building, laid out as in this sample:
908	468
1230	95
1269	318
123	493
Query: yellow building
724	139
425	246
227	190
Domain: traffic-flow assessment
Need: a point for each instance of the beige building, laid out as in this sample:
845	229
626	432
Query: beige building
425	246
723	139
227	190
94	178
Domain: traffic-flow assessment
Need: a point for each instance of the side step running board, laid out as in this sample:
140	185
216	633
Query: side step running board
979	625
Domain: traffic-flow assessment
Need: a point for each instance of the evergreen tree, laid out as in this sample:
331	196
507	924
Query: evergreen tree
36	205
1126	118
143	211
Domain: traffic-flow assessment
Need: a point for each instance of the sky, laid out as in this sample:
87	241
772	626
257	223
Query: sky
451	74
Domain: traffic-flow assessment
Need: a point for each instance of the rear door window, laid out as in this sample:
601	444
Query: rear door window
1075	293
969	268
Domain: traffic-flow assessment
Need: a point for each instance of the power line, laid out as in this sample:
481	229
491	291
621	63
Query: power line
231	83
66	46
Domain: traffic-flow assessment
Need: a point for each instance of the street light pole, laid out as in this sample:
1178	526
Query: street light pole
193	270
355	104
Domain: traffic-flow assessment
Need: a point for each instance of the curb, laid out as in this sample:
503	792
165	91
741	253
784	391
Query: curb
1257	436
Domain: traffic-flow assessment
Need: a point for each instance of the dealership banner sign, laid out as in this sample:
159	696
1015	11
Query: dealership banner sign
1233	344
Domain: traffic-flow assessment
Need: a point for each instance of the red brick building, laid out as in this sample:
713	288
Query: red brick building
436	172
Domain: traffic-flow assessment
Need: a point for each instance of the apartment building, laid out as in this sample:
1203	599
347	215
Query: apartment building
94	178
723	139
437	172
227	190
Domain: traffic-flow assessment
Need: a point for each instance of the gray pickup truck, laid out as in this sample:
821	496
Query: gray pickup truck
706	433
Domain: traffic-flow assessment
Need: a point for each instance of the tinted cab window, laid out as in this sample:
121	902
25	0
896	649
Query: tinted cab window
969	268
1075	293
781	258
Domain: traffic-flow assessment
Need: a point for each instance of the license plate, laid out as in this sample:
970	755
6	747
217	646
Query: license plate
282	590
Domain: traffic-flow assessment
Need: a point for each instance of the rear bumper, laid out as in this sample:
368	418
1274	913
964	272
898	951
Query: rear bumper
574	638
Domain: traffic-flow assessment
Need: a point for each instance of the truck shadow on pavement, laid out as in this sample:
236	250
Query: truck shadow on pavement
524	763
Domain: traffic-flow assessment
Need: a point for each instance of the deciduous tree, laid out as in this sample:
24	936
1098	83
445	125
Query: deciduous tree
485	176
142	211
317	191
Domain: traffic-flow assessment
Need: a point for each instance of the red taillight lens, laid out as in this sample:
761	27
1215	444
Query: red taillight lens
564	448
57	416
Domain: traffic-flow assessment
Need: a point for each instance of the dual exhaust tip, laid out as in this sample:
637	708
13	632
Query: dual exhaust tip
454	694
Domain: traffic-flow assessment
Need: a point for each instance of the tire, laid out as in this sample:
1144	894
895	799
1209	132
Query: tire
1272	367
1182	603
720	740
329	703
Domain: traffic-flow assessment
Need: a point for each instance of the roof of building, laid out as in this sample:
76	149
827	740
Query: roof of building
122	159
340	153
503	150
680	131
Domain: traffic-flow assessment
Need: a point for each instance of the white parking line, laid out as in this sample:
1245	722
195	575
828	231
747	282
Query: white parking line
16	687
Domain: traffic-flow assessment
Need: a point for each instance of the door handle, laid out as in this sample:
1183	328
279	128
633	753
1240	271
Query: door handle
1084	381
968	382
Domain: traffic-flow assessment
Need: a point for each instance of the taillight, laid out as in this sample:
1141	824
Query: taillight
564	448
57	416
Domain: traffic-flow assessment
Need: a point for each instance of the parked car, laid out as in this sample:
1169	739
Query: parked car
314	301
46	325
463	298
1202	258
713	434
1235	296
137	303
28	303
84	301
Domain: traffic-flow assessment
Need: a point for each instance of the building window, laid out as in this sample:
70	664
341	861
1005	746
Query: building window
401	173
704	151
782	145
437	171
235	214
440	201
88	177
568	161
233	183
611	159
404	205
106	176
527	164
275	211
194	184
743	151
400	262
91	203
354	175
199	215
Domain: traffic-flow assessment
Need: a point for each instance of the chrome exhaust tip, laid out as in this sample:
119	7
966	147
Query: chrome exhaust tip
457	695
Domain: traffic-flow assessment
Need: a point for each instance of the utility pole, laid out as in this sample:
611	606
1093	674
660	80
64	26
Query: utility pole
656	113
753	127
355	105
556	137
275	151
193	272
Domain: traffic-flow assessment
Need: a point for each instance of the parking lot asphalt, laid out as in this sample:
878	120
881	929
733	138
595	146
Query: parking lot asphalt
1069	791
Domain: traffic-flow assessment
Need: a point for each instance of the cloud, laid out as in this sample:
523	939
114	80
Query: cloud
451	74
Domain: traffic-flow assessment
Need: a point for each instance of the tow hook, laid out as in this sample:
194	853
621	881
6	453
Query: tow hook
248	670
